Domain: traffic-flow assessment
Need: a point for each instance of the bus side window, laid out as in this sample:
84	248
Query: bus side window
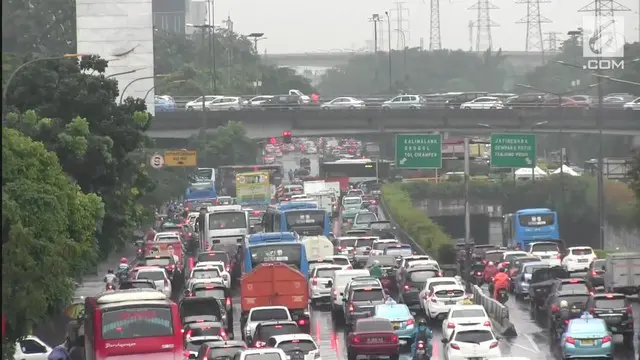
276	222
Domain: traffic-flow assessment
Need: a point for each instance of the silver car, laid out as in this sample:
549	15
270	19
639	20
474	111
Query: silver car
226	103
404	102
344	103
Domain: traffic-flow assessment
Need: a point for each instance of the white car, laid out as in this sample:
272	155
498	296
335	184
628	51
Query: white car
262	354
226	103
320	282
470	343
197	103
296	342
483	103
344	103
547	251
462	316
433	282
441	298
341	260
633	105
31	348
578	258
339	281
166	235
158	276
379	246
258	100
222	269
264	313
208	273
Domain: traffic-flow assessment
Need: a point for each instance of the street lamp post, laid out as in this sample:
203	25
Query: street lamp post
123	73
404	53
211	30
257	36
389	36
22	66
134	81
203	125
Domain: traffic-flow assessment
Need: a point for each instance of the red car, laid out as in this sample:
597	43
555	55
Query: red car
373	336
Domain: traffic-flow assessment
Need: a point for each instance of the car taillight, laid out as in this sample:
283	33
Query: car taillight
339	248
451	326
166	282
630	310
487	323
315	281
410	322
493	345
394	338
227	268
478	273
356	340
558	257
555	308
349	267
302	322
335	293
139	251
186	354
171	267
260	344
228	302
485	262
570	340
223	334
455	346
407	288
351	308
606	339
594	273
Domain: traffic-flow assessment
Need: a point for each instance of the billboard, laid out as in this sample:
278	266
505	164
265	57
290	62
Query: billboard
120	31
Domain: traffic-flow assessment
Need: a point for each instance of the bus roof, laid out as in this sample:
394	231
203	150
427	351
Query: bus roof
295	206
533	211
130	295
223	208
268	238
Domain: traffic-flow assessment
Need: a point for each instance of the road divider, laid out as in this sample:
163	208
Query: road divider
498	313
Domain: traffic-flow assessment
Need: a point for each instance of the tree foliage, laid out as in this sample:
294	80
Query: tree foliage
228	145
419	72
48	224
237	65
75	115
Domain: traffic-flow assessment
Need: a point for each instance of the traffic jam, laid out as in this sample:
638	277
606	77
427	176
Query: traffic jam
323	274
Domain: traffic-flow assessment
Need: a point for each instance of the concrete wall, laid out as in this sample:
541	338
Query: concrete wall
623	239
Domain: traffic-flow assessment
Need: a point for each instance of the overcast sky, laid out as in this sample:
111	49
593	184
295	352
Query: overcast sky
293	26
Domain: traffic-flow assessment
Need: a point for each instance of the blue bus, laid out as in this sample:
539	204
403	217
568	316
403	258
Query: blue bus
530	225
303	218
271	237
203	190
291	253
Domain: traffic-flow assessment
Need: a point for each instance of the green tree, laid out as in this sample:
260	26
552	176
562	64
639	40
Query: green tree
78	119
228	145
48	224
424	72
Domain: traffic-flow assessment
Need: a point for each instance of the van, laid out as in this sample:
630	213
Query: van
547	251
339	281
622	273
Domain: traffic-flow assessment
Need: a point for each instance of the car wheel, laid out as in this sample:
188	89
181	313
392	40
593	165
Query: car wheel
190	108
466	108
386	108
493	108
394	357
232	109
413	108
352	107
351	355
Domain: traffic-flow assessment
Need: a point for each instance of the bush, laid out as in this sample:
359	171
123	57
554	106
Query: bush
428	235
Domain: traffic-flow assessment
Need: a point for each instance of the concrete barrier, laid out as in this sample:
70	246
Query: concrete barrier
498	313
403	235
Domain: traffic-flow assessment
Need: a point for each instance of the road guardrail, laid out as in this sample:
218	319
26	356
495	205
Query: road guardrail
498	313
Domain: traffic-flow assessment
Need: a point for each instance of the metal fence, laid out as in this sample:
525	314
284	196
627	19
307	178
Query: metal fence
498	313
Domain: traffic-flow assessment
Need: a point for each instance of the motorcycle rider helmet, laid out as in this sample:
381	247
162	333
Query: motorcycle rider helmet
564	304
110	271
124	260
376	262
503	269
422	322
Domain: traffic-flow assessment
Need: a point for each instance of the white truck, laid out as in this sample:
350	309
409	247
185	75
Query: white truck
326	201
311	187
333	186
622	273
225	225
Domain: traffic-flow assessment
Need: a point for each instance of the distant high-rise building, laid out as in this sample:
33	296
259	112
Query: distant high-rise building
170	15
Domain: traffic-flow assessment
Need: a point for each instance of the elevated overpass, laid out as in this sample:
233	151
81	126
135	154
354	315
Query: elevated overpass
261	124
332	59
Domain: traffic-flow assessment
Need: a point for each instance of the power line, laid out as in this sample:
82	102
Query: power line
400	17
534	21
435	42
484	24
552	41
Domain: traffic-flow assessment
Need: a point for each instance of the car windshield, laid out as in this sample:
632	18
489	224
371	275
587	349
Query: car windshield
151	275
352	201
511	257
531	269
398	251
474	336
214	293
214	257
134	322
610	303
158	261
581	251
340	261
303	345
227	220
493	256
467	313
137	285
267	331
576	286
365	242
269	314
449	293
326	273
421	276
599	264
206	273
212	329
263	356
574	299
201	306
544	247
373	325
438	283
347	242
393	311
367	295
365	219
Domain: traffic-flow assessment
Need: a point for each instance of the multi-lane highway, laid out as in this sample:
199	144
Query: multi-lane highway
532	341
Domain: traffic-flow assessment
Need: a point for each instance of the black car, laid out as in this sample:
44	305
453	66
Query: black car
360	302
526	101
193	344
266	329
200	329
540	287
222	294
282	102
219	350
382	229
576	299
137	284
615	310
595	274
200	308
412	282
459	99
570	284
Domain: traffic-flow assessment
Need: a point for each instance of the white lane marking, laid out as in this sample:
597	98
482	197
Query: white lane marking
533	343
524	347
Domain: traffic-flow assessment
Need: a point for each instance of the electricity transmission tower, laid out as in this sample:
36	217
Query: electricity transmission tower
552	41
435	42
400	16
534	21
604	34
484	24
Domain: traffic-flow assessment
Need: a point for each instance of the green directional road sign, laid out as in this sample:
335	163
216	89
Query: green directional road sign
418	151
513	150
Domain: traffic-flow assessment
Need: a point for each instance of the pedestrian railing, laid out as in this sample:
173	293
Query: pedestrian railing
498	313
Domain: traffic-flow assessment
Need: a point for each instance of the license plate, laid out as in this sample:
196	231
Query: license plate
475	358
449	302
420	352
575	310
583	260
375	340
542	257
587	342
396	324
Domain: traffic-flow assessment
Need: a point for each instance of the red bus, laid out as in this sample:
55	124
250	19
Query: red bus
132	324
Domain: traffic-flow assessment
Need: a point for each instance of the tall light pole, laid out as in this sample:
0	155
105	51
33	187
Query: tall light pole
210	30
24	65
124	73
257	36
203	125
135	81
389	36
404	53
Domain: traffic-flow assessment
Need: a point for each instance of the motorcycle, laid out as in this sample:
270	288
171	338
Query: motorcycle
421	351
477	278
503	296
139	254
110	287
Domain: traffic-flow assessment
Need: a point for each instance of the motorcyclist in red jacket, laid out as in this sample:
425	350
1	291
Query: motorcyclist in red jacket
489	272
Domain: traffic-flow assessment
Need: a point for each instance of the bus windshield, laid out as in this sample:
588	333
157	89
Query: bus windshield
136	322
227	220
289	254
306	221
